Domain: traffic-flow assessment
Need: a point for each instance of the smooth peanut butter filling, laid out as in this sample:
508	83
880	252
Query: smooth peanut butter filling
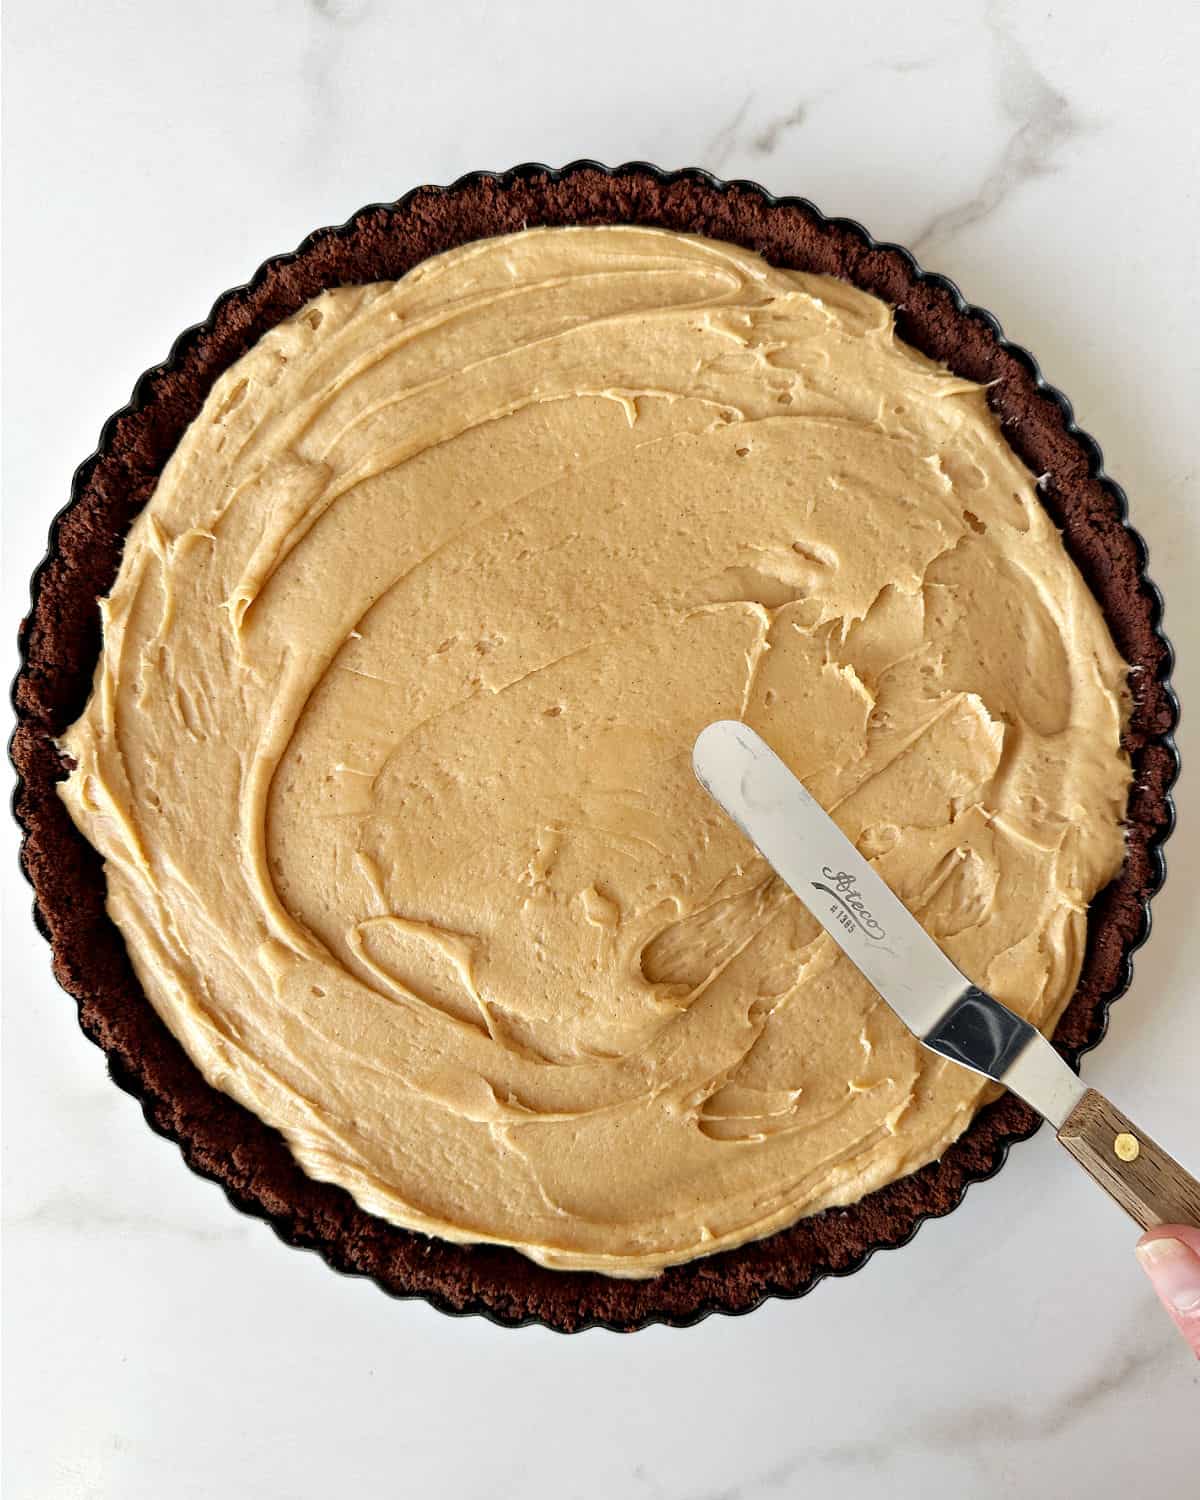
389	748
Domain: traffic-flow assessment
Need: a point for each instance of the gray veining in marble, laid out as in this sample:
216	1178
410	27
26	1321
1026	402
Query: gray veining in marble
341	12
1144	1349
80	1214
724	143
1041	122
769	137
334	22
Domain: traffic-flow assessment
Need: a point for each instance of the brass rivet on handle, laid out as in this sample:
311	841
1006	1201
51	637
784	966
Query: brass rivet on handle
1126	1146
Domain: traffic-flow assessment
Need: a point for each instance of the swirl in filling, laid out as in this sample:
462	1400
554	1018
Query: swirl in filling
388	752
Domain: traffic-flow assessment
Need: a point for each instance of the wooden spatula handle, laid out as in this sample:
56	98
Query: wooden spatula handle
1149	1185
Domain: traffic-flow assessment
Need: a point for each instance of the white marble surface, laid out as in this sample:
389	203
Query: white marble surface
160	1345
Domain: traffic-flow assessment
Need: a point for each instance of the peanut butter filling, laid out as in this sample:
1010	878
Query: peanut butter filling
389	749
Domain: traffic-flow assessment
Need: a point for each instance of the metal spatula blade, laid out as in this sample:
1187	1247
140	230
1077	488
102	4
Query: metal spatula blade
930	994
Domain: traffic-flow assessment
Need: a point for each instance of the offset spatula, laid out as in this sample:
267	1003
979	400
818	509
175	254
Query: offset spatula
933	998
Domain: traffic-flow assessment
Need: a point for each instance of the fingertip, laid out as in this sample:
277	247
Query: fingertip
1170	1257
1186	1234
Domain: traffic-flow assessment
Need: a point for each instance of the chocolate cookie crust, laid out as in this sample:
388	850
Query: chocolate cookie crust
61	641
